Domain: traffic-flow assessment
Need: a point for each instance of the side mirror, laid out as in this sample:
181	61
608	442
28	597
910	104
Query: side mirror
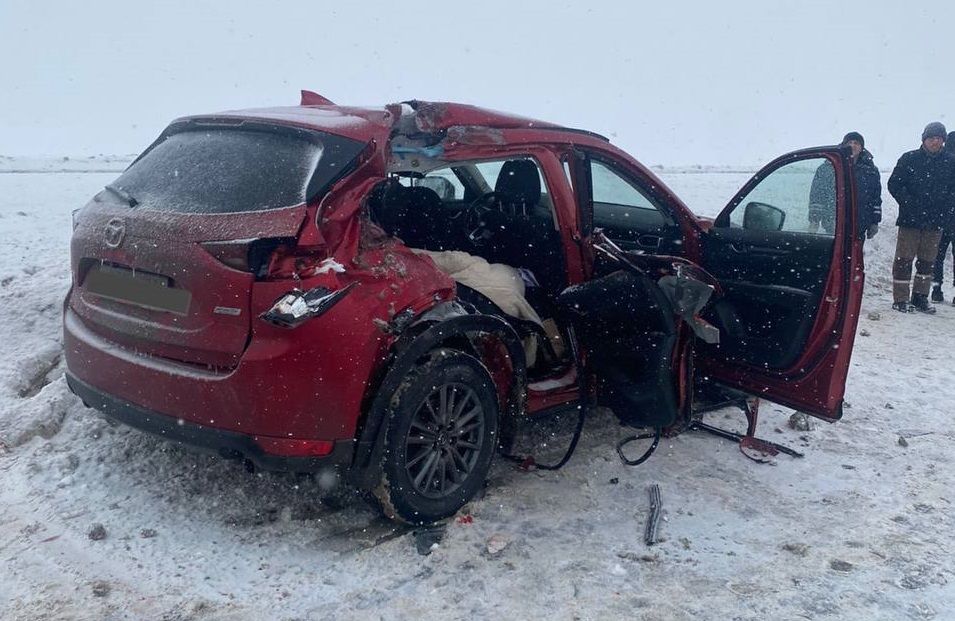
763	217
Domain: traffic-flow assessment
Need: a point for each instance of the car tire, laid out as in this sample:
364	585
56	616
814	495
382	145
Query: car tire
440	439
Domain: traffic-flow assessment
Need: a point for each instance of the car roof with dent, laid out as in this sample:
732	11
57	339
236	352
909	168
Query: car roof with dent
367	123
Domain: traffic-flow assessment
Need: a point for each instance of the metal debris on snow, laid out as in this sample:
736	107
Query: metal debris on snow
653	520
427	538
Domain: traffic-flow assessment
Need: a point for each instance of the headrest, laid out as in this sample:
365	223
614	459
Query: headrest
422	198
520	182
388	204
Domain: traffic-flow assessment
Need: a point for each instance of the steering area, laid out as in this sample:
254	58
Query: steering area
484	218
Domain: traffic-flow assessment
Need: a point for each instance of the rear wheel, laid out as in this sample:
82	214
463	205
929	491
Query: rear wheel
440	438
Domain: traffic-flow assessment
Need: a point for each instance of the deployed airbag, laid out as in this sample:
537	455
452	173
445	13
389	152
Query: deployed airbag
500	283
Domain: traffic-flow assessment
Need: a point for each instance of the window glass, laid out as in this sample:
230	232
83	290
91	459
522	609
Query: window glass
609	187
234	170
618	204
445	183
492	170
797	197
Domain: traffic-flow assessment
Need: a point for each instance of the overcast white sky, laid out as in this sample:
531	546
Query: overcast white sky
734	82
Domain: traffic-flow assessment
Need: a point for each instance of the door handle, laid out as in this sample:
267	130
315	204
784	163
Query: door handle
741	248
769	252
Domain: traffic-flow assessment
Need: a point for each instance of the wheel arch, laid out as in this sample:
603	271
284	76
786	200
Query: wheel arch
489	339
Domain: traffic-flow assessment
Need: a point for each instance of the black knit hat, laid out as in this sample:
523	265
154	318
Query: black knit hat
934	130
854	136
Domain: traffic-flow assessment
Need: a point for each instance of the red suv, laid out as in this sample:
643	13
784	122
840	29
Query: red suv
392	290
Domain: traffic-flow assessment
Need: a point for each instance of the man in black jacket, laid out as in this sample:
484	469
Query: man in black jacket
868	191
948	235
922	183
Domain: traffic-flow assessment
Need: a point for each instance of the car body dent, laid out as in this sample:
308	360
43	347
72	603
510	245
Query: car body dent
315	399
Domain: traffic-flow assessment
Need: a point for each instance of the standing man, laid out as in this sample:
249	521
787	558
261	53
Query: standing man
868	191
922	184
948	234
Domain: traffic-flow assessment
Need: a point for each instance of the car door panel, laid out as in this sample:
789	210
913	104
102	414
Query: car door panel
628	213
773	284
653	240
791	297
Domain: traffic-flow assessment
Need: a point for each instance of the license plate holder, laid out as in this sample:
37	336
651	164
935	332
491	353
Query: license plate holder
136	287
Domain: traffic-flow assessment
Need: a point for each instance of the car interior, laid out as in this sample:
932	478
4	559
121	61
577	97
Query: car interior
499	211
773	266
629	215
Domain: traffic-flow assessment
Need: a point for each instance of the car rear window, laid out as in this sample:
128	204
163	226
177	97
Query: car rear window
229	170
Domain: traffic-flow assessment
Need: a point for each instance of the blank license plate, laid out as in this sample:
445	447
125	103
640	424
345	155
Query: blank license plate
139	288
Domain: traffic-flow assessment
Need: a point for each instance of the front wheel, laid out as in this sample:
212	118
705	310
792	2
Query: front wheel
440	438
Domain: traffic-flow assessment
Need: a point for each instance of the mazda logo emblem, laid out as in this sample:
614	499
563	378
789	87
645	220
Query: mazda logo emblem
115	232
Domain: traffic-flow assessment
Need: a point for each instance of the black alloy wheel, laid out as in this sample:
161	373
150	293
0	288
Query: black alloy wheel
441	437
444	439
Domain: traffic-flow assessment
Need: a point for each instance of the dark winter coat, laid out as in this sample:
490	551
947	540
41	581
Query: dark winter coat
822	198
949	149
924	186
868	190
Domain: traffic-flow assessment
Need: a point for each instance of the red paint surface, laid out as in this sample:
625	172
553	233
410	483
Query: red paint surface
308	383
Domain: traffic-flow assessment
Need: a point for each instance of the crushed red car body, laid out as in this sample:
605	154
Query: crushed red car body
393	290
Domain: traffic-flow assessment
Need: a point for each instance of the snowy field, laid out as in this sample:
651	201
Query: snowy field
862	528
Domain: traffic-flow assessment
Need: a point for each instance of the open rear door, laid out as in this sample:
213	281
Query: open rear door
787	254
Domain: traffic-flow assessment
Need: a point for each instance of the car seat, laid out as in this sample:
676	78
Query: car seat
629	331
427	223
519	187
388	207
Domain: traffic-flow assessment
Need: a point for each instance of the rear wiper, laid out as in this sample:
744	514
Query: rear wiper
123	194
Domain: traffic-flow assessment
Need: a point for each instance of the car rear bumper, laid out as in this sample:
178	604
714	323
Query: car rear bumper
226	443
289	385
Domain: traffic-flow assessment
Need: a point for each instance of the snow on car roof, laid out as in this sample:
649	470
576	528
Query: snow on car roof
357	123
366	123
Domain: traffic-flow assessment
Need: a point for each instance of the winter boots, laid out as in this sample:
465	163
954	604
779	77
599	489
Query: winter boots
920	303
937	295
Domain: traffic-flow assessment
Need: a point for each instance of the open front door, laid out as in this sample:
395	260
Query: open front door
790	264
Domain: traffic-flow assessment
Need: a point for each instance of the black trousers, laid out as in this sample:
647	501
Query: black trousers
938	275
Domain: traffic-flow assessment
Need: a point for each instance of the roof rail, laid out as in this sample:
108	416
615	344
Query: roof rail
574	130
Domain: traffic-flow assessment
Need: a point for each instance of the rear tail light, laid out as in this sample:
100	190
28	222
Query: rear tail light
248	255
297	306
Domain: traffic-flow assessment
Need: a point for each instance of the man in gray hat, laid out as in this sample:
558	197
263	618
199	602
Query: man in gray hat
923	183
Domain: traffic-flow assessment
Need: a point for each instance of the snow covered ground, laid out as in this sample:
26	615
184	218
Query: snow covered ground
861	528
